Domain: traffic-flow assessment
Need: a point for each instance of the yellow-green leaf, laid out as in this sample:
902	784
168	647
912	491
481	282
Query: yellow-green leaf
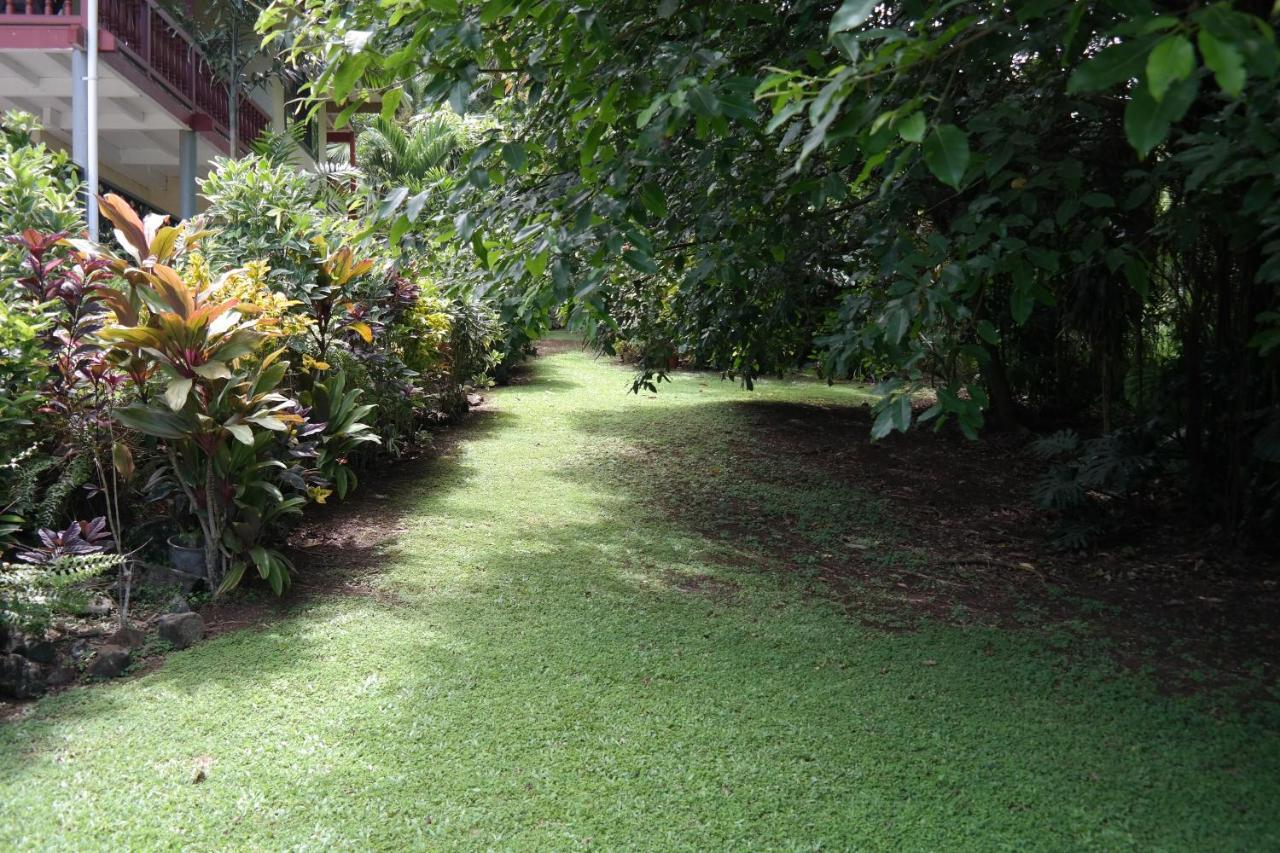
175	396
242	432
1225	61
122	458
1173	59
362	329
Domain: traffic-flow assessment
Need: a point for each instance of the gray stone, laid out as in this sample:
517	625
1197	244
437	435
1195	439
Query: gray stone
80	650
99	605
39	650
32	647
61	675
109	662
180	630
21	678
178	604
127	637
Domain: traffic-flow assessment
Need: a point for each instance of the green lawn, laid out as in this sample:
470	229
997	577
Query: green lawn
561	665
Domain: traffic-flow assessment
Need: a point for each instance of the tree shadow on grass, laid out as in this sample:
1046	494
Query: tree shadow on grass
605	671
588	693
924	527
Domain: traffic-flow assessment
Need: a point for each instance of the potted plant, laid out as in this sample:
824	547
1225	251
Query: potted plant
221	419
186	554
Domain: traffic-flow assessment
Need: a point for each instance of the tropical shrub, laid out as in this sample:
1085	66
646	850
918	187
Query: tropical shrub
339	411
270	212
39	188
38	194
219	404
209	380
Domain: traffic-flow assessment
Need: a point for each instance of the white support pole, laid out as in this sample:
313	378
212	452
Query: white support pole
91	114
187	173
79	109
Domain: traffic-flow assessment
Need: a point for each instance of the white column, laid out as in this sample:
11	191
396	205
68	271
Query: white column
79	109
187	173
80	121
279	123
91	114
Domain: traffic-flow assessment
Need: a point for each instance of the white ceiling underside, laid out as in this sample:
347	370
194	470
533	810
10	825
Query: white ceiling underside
137	137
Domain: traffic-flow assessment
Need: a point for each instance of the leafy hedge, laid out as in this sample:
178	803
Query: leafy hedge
205	381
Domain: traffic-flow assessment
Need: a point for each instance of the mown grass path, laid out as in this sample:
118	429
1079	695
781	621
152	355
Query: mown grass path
558	664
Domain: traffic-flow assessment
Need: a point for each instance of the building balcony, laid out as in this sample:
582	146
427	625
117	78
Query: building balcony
154	82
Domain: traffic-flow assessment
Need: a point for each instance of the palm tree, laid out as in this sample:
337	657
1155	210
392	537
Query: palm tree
417	155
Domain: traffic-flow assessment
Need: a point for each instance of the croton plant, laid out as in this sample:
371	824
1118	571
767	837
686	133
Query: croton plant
215	393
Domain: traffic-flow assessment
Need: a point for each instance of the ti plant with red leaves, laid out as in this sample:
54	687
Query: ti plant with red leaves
221	417
78	295
73	295
331	299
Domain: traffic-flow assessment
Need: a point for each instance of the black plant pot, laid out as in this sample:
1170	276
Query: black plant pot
187	560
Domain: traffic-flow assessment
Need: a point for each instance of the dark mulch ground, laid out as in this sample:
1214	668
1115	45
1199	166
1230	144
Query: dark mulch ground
1167	595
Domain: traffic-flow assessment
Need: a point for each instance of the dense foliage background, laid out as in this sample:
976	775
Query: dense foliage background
1054	215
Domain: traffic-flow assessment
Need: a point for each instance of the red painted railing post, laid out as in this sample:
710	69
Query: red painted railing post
144	30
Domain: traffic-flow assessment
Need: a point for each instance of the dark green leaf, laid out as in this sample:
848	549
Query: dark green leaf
514	155
639	261
1145	125
946	153
1171	60
1115	64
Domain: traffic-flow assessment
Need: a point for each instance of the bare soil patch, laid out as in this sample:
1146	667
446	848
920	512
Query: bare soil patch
1166	595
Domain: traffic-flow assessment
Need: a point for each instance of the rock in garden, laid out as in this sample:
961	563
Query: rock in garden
21	678
33	648
40	651
180	630
109	662
99	605
178	604
127	637
60	675
80	650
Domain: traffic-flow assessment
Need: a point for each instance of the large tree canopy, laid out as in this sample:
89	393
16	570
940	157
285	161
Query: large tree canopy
1045	210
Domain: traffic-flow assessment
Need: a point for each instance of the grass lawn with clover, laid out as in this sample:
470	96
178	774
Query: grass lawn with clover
602	619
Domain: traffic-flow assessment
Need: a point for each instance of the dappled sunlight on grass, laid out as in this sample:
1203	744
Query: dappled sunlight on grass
564	661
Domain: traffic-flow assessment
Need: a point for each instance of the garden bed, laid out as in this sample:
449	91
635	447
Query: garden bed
336	549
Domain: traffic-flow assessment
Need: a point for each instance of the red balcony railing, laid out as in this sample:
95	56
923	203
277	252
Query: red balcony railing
161	49
39	7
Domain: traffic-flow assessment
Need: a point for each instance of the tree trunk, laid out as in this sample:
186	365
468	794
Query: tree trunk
1003	407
